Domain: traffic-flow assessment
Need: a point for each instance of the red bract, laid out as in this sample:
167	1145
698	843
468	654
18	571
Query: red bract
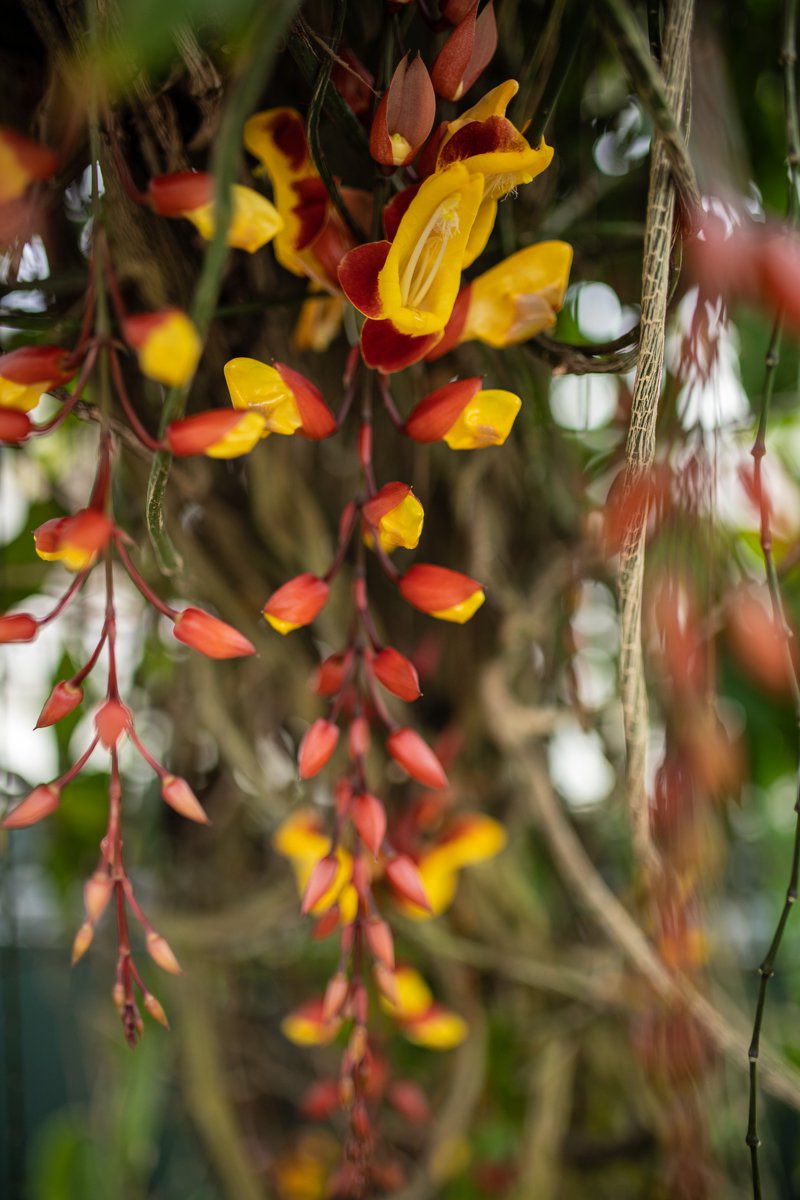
329	675
369	818
320	881
297	602
178	795
316	748
15	426
18	627
202	431
406	879
63	699
380	941
37	804
210	636
111	721
467	52
434	416
416	757
396	673
441	592
404	117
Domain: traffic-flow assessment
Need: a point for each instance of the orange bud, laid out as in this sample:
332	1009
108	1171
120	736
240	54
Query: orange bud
404	117
37	804
161	953
96	894
111	720
335	996
319	882
467	52
406	879
22	162
317	746
410	1101
380	941
440	592
15	426
326	924
321	1100
83	940
210	636
297	602
397	674
64	698
155	1009
178	795
369	818
358	738
18	627
329	675
416	757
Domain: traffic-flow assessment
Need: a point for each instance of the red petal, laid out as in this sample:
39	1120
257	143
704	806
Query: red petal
389	496
194	435
299	600
405	879
386	349
396	673
18	627
35	364
434	589
454	57
209	635
437	413
358	275
15	426
317	746
380	146
318	420
416	757
179	193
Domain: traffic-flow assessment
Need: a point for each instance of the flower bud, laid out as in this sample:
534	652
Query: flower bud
358	737
37	804
155	1009
15	427
64	699
397	674
380	940
335	996
22	162
441	593
360	1123
218	433
397	515
297	602
320	882
167	343
75	541
404	116
410	1101
321	1100
18	627
407	881
210	636
369	817
96	894
317	746
161	953
329	675
467	52
178	795
386	982
464	415
83	940
29	371
111	720
416	757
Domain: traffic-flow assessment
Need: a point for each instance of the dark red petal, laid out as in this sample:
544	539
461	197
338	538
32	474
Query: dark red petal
385	348
454	58
358	275
318	420
493	135
437	413
380	146
311	210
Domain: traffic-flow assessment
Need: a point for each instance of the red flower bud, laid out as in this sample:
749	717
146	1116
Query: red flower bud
178	795
111	720
181	192
466	53
369	818
320	881
28	371
329	675
404	117
409	1100
18	627
15	426
440	592
416	757
210	636
321	1100
64	698
396	673
380	941
358	737
96	894
297	602
406	879
317	746
37	804
161	953
335	996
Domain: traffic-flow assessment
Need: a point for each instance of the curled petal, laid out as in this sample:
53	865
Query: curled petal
218	433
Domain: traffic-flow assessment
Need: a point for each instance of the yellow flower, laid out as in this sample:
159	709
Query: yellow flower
167	344
520	296
277	139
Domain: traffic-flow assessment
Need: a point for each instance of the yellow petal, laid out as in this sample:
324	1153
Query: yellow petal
493	104
257	385
460	613
414	997
255	220
308	1031
22	396
476	839
481	230
283	627
171	352
419	281
439	1029
241	439
301	836
486	421
519	297
402	525
319	322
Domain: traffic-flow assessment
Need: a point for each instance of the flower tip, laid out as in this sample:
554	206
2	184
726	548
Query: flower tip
161	953
37	804
210	635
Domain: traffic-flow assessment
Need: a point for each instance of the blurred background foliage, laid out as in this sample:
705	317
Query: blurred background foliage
573	1081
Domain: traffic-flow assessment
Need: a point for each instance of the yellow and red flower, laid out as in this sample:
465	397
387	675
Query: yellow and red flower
29	371
297	602
167	344
396	515
464	415
76	541
302	839
512	301
422	1020
441	593
190	194
218	433
22	162
406	287
286	401
465	840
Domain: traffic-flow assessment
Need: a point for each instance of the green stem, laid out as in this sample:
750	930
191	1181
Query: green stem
262	43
